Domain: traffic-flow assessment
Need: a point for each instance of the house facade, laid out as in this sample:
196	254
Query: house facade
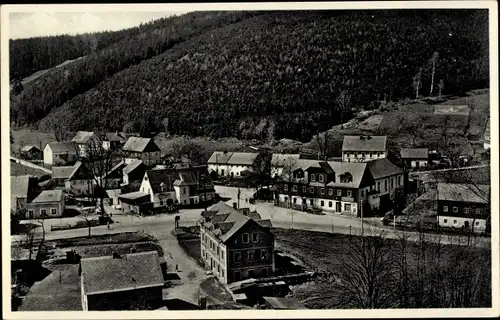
121	282
31	153
463	206
23	189
231	164
48	204
280	161
84	142
80	182
235	246
340	187
144	149
415	157
59	153
113	140
363	148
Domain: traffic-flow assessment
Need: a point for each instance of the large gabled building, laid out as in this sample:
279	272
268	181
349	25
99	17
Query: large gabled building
144	149
363	148
234	245
232	164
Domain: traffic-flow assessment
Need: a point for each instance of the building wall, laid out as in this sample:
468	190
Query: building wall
361	156
276	171
229	170
149	158
459	222
221	169
418	163
328	205
47	155
214	255
47	206
80	187
124	300
182	194
459	209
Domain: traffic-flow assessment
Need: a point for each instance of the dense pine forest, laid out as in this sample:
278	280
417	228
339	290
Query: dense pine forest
259	75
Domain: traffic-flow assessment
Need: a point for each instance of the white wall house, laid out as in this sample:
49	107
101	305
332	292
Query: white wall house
231	164
144	149
363	148
415	157
279	161
59	153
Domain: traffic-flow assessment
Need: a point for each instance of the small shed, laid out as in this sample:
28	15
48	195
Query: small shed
134	202
31	153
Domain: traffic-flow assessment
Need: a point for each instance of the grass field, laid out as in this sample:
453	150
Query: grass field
325	253
17	169
30	137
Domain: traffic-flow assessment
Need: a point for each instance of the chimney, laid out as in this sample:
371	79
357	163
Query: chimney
202	303
235	206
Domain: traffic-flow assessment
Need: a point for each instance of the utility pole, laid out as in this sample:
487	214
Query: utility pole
239	194
362	231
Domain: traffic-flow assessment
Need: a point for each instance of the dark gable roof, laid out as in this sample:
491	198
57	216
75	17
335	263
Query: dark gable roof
29	148
80	172
62	147
381	168
160	177
364	143
414	153
220	157
136	163
83	137
135	270
114	136
469	193
20	185
137	144
326	167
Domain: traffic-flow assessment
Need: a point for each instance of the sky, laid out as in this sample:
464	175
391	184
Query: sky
35	24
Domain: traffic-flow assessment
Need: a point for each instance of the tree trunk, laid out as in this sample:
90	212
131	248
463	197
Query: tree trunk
432	77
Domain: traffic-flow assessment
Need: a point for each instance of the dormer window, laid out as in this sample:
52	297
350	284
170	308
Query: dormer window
321	178
313	177
162	186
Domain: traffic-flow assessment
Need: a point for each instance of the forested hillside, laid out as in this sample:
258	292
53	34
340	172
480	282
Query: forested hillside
272	75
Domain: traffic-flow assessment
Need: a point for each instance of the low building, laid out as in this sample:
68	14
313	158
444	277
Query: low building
31	153
280	161
144	149
363	148
113	140
59	153
415	157
463	206
48	204
133	173
236	246
80	182
134	202
231	164
127	282
113	179
61	174
84	142
23	189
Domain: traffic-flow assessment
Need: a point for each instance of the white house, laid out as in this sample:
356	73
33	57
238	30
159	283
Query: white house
144	149
84	140
48	204
59	153
231	164
363	148
415	157
281	160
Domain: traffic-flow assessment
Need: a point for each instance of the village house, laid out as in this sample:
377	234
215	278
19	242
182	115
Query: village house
236	246
80	181
415	157
121	282
60	174
113	179
463	206
363	148
59	153
48	204
144	149
341	187
133	173
23	189
113	140
85	142
281	160
31	153
231	164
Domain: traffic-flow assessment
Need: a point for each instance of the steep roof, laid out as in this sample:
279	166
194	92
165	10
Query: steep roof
470	193
115	136
228	221
20	186
63	172
364	143
281	159
62	147
137	144
159	177
119	166
131	271
49	196
132	166
83	137
220	157
80	171
356	169
29	148
242	158
414	153
381	168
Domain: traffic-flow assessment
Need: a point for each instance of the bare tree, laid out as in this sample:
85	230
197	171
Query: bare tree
58	129
189	149
417	82
287	177
433	62
472	107
343	101
441	87
323	145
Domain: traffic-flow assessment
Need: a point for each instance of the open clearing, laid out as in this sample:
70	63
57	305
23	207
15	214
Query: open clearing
17	169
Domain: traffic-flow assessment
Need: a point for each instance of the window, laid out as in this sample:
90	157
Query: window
445	220
236	275
218	268
455	209
263	254
378	186
217	250
339	193
454	221
285	187
53	211
250	273
330	192
322	203
183	190
321	178
399	180
347	207
311	189
43	212
245	238
31	212
371	155
313	177
329	204
445	208
255	237
237	257
222	254
251	255
304	188
311	202
322	191
392	183
286	199
477	223
478	211
349	193
294	200
362	154
264	272
385	185
294	188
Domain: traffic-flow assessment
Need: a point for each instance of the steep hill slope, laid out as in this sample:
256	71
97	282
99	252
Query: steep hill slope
279	74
